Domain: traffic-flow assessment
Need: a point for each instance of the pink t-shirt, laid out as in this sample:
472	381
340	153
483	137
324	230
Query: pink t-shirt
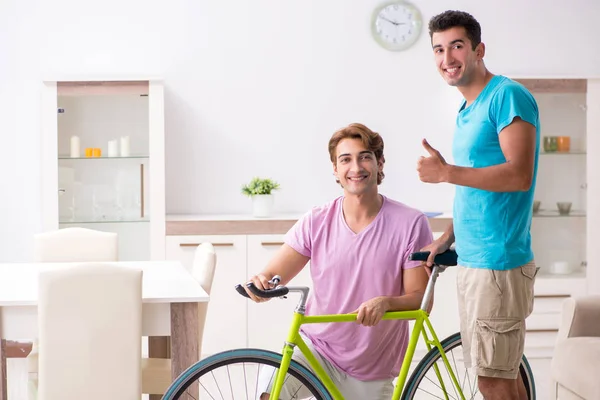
347	269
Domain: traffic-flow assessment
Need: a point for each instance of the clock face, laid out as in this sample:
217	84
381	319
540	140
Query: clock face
396	25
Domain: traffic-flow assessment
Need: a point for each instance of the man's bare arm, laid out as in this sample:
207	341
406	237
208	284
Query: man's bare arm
371	311
517	141
287	263
415	283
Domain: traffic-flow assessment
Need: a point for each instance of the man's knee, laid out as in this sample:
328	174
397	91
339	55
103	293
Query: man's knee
498	388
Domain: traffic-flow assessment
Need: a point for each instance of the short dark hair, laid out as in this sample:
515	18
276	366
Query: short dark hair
452	18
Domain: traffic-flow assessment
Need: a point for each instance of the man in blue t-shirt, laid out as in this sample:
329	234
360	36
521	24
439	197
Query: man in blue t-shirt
495	149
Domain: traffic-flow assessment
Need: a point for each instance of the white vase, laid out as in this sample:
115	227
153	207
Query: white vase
262	205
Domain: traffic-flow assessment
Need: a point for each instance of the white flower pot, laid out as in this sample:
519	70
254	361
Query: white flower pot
262	205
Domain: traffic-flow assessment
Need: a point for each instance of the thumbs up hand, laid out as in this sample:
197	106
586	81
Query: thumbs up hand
432	169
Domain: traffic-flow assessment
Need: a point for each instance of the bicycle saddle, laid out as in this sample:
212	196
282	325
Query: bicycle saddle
448	258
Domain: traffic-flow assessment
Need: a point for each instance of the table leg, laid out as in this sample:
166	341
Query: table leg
159	347
184	340
3	390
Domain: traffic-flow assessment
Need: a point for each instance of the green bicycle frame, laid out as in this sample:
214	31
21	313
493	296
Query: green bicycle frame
421	319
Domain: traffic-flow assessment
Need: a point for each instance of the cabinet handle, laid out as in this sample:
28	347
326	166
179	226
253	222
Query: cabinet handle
272	243
198	244
541	330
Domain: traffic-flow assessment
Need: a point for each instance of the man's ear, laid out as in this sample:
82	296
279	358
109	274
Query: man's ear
480	50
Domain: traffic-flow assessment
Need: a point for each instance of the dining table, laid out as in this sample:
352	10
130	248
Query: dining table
170	299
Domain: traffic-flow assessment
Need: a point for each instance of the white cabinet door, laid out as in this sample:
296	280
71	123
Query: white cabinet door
269	322
226	323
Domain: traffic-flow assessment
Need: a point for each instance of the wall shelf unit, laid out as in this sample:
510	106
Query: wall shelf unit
120	121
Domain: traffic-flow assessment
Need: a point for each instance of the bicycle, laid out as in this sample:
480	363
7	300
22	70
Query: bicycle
316	381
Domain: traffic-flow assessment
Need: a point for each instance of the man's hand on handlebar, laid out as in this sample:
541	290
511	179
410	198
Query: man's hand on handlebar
438	246
262	283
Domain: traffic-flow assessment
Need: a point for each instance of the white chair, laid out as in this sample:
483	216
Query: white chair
75	244
90	326
156	372
576	358
68	245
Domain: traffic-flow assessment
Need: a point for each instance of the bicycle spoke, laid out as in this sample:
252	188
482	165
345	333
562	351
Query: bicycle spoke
450	378
230	386
245	380
423	390
474	389
440	387
257	375
465	379
218	388
456	369
205	389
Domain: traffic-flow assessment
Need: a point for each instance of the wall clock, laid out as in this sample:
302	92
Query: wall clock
396	25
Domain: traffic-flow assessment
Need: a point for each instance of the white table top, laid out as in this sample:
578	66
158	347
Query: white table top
163	282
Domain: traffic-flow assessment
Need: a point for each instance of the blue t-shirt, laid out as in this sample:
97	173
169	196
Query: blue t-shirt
492	229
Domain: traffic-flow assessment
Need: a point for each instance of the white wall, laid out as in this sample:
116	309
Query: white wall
257	88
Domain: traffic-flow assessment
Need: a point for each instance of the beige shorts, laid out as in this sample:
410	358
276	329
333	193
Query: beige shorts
493	306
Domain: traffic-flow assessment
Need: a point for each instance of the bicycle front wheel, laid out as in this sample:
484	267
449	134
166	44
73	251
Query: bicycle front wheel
242	374
424	382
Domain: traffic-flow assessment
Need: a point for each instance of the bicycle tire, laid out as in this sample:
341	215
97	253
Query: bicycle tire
448	344
258	356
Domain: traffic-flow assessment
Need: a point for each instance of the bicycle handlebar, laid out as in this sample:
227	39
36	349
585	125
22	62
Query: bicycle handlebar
276	292
448	258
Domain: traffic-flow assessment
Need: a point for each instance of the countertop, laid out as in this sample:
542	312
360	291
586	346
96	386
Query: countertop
246	224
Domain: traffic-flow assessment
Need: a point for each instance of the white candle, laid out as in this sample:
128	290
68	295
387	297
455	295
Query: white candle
113	148
125	146
75	146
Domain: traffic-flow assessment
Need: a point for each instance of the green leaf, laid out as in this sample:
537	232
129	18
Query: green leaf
259	186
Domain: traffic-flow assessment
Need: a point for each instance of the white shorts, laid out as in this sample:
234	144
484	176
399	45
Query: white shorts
351	388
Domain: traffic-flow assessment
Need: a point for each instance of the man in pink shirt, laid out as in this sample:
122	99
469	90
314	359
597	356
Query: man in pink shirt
358	247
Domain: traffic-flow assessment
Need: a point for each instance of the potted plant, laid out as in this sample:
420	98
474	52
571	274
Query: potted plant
260	191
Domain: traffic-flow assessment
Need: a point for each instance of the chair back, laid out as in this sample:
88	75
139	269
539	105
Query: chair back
203	270
75	245
90	328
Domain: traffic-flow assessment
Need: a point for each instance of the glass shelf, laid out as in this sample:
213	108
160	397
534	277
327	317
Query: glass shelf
563	153
556	214
575	274
66	157
105	221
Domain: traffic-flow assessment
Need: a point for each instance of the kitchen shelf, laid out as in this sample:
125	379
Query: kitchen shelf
63	157
556	214
105	221
563	153
576	274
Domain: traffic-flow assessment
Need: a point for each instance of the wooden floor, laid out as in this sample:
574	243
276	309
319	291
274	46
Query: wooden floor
17	378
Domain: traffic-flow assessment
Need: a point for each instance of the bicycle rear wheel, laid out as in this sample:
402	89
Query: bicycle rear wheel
235	374
425	384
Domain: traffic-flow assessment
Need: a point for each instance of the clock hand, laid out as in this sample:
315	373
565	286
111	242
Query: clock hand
388	20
